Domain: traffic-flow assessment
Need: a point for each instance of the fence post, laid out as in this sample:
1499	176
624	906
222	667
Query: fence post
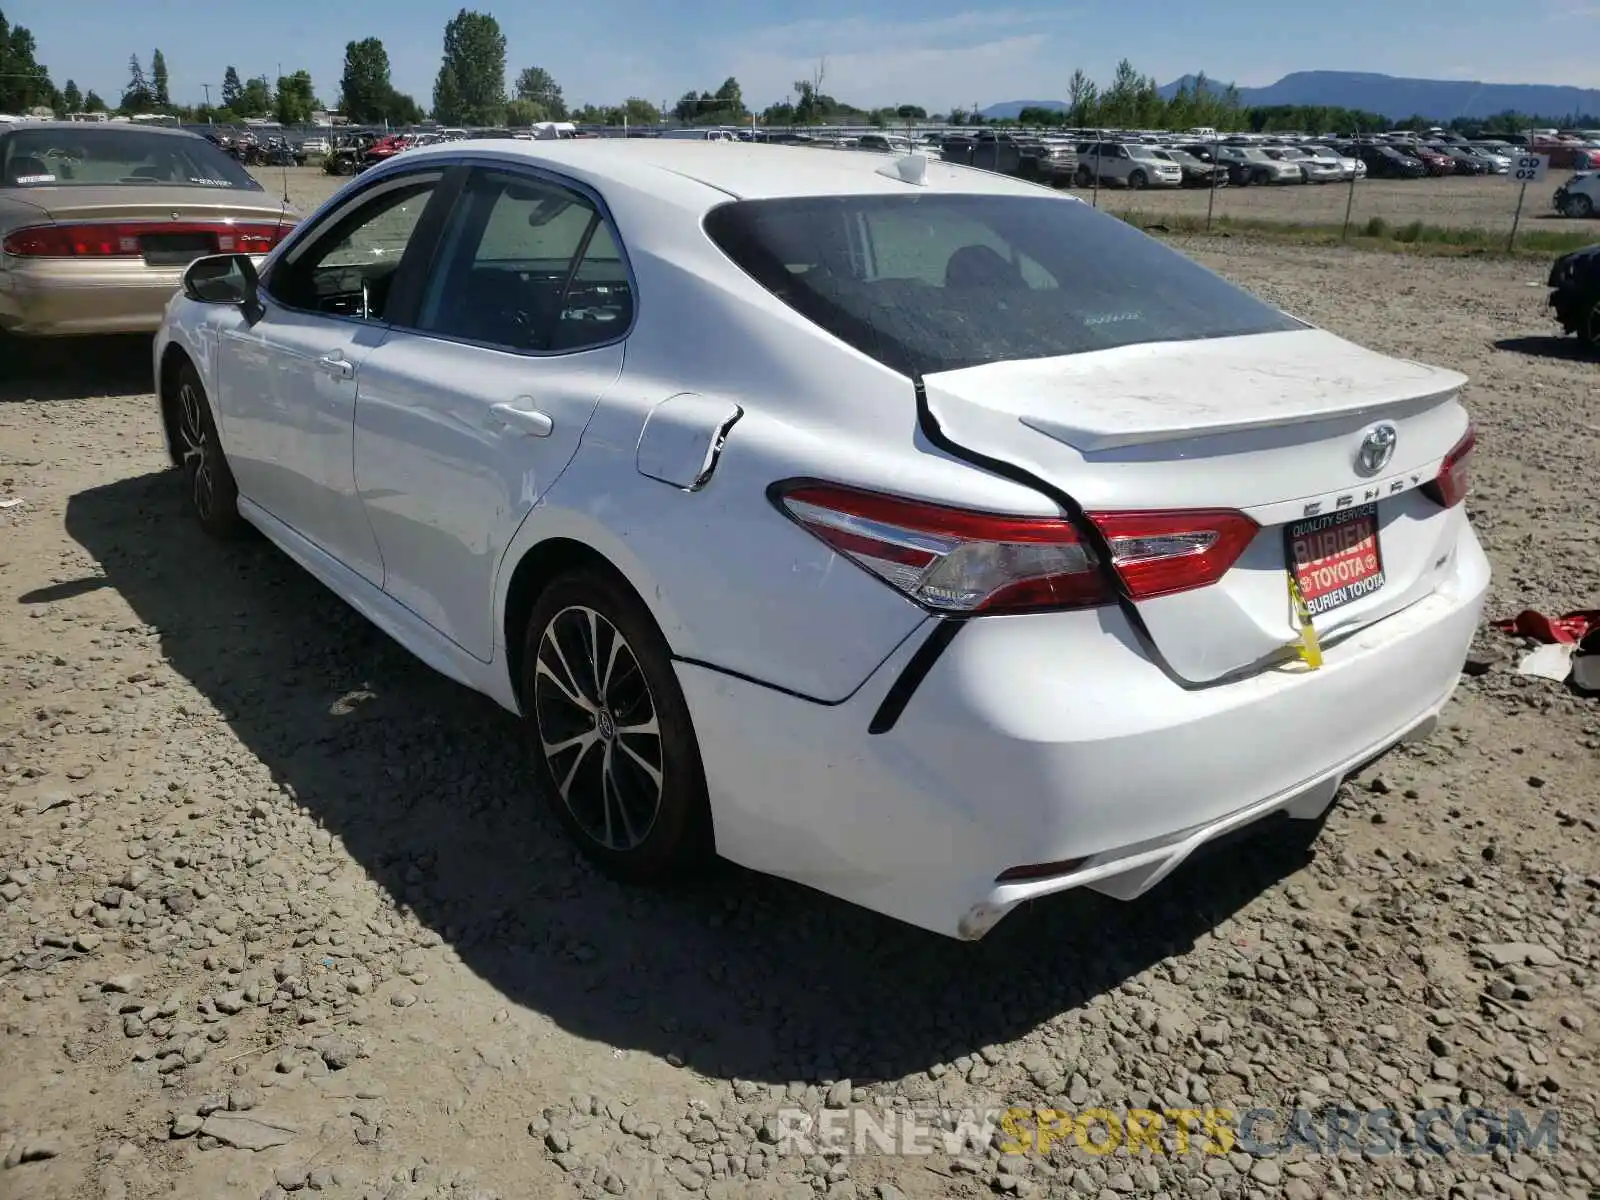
1095	201
1522	194
1516	219
1350	198
1211	200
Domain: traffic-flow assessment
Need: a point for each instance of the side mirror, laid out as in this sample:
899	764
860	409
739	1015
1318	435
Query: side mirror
222	279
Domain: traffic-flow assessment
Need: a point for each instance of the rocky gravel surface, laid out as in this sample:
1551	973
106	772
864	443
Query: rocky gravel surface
1454	202
278	915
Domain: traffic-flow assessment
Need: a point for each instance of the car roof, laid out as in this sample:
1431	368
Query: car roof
96	126
740	170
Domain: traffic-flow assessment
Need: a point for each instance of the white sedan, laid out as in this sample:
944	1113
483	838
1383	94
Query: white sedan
903	529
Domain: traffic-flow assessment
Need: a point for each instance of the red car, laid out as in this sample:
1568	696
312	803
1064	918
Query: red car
1437	164
1567	153
384	148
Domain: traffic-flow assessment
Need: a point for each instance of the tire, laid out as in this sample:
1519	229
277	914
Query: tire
1137	180
635	803
208	480
1580	206
1083	177
1589	331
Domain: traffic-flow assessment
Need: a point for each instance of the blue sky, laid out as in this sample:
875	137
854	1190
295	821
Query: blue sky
891	51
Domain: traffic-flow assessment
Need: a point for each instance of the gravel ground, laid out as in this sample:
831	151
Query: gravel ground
1453	202
277	913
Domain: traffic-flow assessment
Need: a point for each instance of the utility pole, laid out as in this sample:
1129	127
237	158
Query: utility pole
206	87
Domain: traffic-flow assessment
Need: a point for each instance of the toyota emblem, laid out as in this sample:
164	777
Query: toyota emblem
1377	448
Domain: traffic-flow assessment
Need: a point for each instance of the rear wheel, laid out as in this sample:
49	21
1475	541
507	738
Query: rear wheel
1083	177
1579	206
1137	180
1589	330
614	748
213	495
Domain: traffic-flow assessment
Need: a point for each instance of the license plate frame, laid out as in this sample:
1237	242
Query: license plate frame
176	249
1325	594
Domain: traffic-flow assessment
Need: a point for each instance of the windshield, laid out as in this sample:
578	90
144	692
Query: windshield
935	283
84	157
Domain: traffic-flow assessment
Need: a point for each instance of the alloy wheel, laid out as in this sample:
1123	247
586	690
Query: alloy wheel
196	450
598	728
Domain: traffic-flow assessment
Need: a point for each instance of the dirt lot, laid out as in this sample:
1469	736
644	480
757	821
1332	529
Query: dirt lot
1453	202
267	882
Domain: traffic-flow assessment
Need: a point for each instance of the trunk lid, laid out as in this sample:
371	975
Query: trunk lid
133	203
1271	425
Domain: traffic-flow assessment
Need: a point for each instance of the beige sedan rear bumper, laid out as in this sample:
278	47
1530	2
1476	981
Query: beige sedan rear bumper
64	298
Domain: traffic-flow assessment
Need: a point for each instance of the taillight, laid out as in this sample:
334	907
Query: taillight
960	561
125	239
1159	553
1449	488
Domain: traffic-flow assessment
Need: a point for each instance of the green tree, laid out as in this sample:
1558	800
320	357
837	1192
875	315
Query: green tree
448	105
71	98
255	100
538	86
295	99
730	102
1083	101
403	109
641	112
92	102
232	89
911	112
136	96
160	93
365	93
520	112
24	81
471	86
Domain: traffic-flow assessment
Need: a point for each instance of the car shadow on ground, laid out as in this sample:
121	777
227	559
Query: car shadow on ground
427	786
74	368
1567	349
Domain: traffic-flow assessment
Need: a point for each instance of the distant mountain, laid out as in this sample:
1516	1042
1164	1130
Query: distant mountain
1011	109
1397	98
1387	95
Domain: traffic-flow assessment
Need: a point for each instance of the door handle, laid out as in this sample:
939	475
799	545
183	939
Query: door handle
524	420
337	365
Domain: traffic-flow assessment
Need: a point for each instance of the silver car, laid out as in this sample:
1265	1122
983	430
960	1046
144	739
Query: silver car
1312	169
1132	164
1251	164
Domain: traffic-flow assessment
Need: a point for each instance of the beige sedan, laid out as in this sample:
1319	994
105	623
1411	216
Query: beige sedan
98	222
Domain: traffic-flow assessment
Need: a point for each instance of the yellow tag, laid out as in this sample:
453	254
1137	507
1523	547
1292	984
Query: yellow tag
1306	645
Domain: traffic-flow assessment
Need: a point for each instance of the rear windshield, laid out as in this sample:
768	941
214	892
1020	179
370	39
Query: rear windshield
87	157
930	283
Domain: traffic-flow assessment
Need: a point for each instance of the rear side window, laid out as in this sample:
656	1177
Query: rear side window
930	283
527	265
89	157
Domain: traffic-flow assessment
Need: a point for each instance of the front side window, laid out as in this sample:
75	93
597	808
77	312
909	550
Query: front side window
935	283
84	156
527	265
349	269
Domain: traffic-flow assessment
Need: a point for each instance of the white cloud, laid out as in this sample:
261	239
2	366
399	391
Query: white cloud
937	62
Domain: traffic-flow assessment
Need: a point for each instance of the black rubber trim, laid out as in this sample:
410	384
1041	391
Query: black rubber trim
929	425
900	692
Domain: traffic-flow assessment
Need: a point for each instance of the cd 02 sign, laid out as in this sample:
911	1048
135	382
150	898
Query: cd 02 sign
1529	168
